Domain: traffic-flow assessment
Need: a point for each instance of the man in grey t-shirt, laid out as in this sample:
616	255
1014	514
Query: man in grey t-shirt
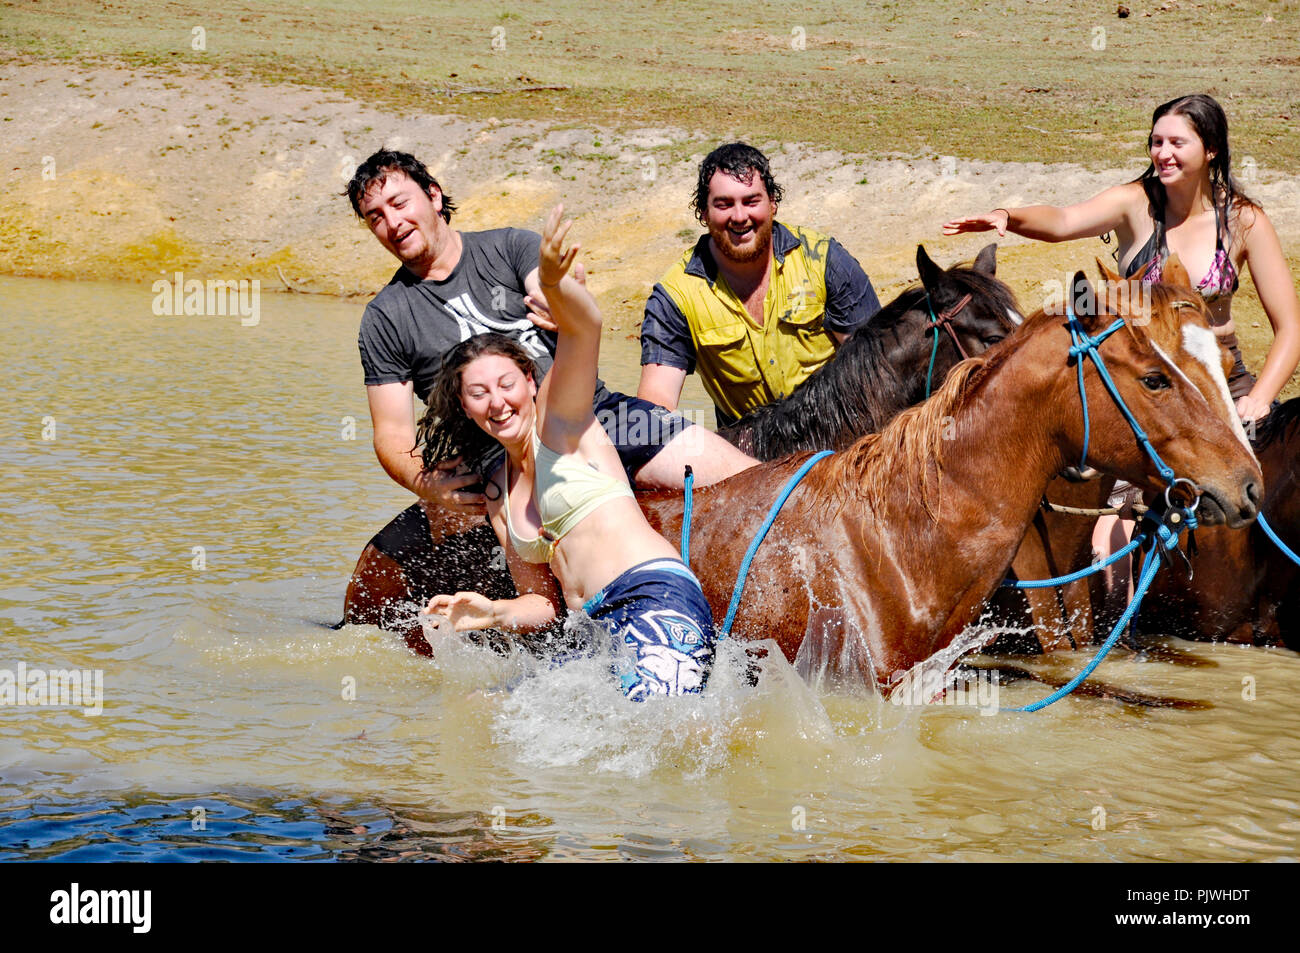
412	323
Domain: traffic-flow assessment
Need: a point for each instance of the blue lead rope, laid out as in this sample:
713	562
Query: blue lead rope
725	629
687	485
1268	531
1168	539
1149	567
1115	557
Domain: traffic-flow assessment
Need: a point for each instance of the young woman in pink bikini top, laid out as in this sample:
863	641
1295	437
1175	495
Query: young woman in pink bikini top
1186	202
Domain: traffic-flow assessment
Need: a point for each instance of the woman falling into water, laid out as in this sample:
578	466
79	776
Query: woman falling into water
1185	203
562	497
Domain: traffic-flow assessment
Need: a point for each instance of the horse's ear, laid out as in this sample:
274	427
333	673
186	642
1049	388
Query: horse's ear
986	262
1175	274
1083	299
931	274
1112	277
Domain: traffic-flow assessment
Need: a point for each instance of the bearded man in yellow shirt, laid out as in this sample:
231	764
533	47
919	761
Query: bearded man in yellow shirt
756	306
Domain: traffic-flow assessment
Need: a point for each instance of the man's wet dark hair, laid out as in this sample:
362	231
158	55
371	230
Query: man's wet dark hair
739	160
384	163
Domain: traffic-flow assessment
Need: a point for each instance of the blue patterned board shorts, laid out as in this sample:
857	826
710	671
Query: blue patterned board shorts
659	611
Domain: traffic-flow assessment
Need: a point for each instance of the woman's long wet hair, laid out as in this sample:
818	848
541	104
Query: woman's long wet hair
1207	119
445	430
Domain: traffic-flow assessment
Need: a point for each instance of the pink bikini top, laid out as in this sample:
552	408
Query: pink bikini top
1220	278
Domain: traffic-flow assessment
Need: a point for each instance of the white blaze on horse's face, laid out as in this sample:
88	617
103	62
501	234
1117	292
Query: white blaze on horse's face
1195	344
1016	319
1204	346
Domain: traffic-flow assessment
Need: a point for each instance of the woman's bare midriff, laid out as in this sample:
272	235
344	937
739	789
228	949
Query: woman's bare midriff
609	542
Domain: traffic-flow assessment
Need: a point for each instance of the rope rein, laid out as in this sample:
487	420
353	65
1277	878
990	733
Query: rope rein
1268	531
725	629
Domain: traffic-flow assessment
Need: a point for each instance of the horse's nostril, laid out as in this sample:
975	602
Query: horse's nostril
1252	493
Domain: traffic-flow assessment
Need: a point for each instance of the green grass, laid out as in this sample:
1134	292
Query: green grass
1017	81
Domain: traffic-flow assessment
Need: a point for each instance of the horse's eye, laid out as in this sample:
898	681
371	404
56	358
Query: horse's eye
993	339
1155	382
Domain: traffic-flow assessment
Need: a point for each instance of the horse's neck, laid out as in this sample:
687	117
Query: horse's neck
877	391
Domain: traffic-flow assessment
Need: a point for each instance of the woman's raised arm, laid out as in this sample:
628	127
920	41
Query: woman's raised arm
564	399
1048	223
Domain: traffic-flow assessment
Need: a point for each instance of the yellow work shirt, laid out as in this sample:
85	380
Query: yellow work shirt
743	366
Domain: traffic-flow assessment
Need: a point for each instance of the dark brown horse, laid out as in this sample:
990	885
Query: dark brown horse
877	372
1242	587
882	369
886	552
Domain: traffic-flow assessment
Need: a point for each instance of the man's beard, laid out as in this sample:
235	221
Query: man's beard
761	246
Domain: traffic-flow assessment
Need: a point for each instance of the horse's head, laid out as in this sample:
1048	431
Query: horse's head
967	309
1169	370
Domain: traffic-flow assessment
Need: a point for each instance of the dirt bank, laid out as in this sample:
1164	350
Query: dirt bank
133	174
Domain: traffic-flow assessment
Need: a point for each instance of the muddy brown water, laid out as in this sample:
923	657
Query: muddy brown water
225	690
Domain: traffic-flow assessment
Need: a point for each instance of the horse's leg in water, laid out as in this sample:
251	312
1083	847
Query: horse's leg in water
423	552
1056	544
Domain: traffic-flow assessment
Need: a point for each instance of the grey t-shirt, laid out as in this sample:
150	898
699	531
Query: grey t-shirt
411	324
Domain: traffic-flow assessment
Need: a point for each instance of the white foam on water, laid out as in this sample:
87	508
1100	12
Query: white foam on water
577	715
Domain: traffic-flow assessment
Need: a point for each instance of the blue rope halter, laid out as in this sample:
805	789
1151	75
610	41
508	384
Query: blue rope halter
1081	346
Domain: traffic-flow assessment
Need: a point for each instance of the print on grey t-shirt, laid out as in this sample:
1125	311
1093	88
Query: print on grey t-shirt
472	321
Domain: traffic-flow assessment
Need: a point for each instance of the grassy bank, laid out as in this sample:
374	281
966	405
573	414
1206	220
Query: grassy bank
1018	80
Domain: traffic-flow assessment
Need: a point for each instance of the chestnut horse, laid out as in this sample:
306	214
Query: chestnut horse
1237	586
885	553
877	372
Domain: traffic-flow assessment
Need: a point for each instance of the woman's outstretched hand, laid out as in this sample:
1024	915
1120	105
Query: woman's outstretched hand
467	611
555	260
998	218
1251	408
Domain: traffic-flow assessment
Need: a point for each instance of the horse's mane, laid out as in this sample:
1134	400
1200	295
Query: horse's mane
834	401
867	470
1277	423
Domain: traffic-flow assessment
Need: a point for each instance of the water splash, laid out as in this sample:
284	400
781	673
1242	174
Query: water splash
576	715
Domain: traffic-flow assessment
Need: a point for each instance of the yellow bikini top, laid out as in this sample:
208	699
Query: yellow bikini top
566	491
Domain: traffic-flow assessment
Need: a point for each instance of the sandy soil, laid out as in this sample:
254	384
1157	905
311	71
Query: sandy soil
133	174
